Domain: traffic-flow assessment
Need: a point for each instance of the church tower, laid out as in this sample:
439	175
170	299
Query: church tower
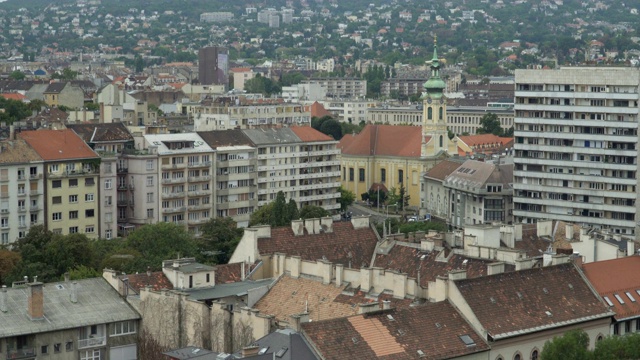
435	138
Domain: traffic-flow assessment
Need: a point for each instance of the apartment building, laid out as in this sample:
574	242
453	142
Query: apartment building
71	174
236	176
109	141
576	136
240	115
84	319
22	189
184	171
345	88
460	119
300	161
351	111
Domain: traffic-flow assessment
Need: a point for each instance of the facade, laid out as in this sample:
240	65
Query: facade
62	93
71	174
300	161
480	193
219	16
404	87
213	65
240	76
460	120
109	141
352	112
22	190
226	116
303	92
235	189
341	88
184	175
576	135
84	320
434	198
138	196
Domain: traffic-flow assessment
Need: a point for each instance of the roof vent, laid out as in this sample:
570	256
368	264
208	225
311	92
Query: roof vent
519	295
438	325
281	352
546	291
549	314
493	301
354	339
571	286
421	353
467	340
390	317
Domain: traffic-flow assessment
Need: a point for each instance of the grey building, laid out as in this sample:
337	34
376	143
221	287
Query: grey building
213	63
84	319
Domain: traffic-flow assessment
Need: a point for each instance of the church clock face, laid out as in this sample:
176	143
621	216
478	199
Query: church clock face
429	100
441	101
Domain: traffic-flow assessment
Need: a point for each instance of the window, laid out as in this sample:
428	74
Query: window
89	213
56	184
4	222
149	213
54	168
73	182
68	346
123	327
73	214
90	354
44	349
149	180
383	175
400	176
89	197
360	174
108	234
517	356
208	278
89	181
73	229
5	238
150	197
90	229
55	200
56	347
107	184
149	164
351	172
73	199
107	167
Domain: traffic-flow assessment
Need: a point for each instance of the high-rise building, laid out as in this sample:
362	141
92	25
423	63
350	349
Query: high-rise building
576	138
213	64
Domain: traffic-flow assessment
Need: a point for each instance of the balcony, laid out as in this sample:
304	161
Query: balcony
72	173
123	203
24	353
34	192
197	221
172	195
34	208
122	170
173	166
174	210
22	193
199	178
173	180
200	164
4	178
4	195
92	342
122	187
35	176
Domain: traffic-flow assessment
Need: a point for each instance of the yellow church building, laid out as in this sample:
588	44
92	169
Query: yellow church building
390	155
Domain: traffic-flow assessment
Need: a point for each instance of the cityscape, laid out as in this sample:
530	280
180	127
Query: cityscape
296	179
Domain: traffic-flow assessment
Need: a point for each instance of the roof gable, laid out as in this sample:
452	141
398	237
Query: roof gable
58	144
384	140
96	133
626	282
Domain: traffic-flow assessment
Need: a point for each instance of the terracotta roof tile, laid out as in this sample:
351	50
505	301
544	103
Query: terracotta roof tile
345	245
13	96
309	134
443	169
411	260
17	151
157	280
434	329
384	140
58	144
626	279
520	301
96	133
230	273
220	138
317	110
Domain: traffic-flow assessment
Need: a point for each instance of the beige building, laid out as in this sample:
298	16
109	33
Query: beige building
71	175
22	190
237	114
240	76
351	111
341	88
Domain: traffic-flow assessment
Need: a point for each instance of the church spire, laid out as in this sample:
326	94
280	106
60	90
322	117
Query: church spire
435	86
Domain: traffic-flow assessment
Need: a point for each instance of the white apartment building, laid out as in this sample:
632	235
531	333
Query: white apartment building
301	162
138	196
22	189
576	155
346	88
303	92
237	116
351	111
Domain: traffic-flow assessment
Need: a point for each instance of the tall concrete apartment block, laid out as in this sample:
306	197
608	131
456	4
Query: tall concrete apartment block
213	65
576	146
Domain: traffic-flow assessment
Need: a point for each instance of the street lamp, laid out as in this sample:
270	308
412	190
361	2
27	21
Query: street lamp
396	205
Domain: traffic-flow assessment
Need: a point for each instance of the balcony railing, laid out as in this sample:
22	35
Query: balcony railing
21	353
92	342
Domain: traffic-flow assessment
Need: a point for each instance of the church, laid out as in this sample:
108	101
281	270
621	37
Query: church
389	155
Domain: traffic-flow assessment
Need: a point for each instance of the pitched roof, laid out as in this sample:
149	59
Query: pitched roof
286	344
437	330
317	110
98	303
625	282
55	87
345	245
443	169
383	140
411	260
551	296
107	132
272	136
221	138
17	151
14	96
58	144
476	174
309	134
481	139
228	273
157	280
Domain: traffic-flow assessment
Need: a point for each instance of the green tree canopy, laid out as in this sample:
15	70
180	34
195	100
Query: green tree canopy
489	124
276	213
17	75
312	212
346	198
570	346
220	236
159	242
262	85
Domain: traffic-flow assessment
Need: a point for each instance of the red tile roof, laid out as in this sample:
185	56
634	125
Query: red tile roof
522	301
309	134
13	96
317	110
626	280
384	140
157	280
345	245
443	169
434	329
230	273
481	139
58	144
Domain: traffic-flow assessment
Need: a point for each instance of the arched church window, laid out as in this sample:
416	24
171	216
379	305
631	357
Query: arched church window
429	113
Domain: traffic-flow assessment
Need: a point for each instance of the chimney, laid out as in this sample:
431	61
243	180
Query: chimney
298	227
368	307
12	132
568	231
66	277
326	224
308	224
386	304
35	301
149	271
495	268
242	274
3	299
74	292
250	351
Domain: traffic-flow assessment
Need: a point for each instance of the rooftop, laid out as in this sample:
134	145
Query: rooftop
270	136
443	169
157	280
431	331
621	290
477	174
98	303
220	291
225	138
16	152
282	344
102	133
54	145
382	140
182	143
309	134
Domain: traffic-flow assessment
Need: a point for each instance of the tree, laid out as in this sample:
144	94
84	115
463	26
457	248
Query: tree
570	346
262	216
489	124
618	347
67	74
403	197
8	261
65	253
159	242
280	212
138	63
292	210
276	213
346	198
220	236
312	212
83	272
332	128
17	75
